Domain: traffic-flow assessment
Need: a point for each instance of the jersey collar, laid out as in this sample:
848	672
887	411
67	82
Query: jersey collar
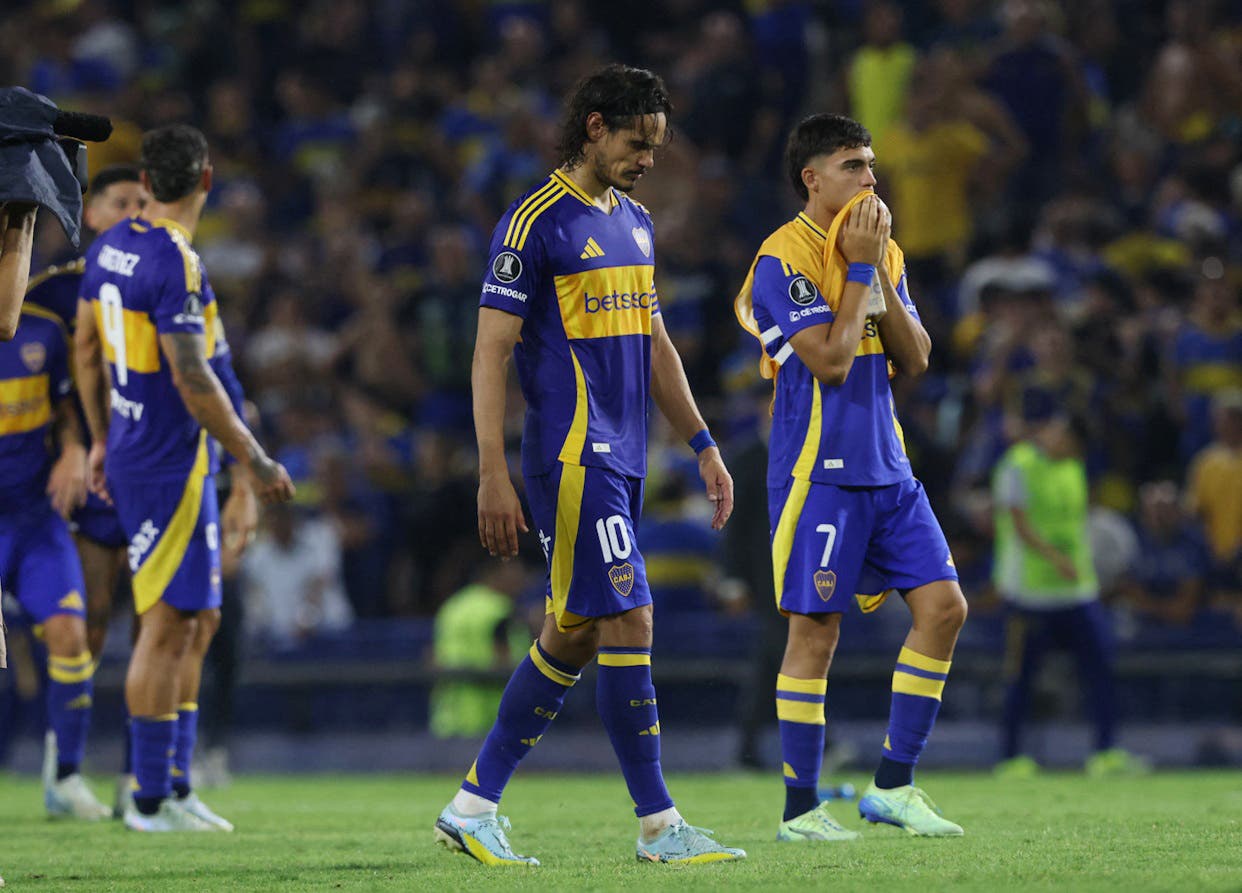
168	223
814	227
577	192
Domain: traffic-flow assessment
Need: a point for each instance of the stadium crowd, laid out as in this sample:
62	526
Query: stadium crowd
1066	181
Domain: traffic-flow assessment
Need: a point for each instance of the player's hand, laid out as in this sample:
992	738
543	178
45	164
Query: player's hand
500	515
719	485
239	518
66	485
864	235
271	481
95	471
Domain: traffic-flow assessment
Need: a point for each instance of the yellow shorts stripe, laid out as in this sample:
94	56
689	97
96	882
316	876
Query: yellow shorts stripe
568	511
542	665
782	542
624	660
800	711
157	571
923	662
905	684
869	603
801	686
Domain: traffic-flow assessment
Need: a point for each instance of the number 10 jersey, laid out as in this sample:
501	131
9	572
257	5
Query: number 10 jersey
143	280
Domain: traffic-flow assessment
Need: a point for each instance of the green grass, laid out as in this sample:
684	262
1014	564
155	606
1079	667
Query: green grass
1170	831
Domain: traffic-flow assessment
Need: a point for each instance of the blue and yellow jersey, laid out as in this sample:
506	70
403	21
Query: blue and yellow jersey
583	282
143	279
56	289
34	376
847	435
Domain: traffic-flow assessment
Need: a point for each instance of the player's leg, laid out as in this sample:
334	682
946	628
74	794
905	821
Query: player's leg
1090	638
909	553
1026	641
101	568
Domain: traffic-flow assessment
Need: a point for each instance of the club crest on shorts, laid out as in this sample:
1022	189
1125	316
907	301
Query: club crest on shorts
621	576
825	584
643	240
34	355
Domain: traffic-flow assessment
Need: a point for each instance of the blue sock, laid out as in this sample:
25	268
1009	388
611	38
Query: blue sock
531	700
154	743
918	683
69	691
626	702
800	711
187	734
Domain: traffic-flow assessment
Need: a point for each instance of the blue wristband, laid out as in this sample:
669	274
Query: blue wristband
701	441
863	274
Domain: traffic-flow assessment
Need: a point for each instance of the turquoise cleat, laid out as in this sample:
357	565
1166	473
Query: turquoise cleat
818	824
686	844
909	808
482	838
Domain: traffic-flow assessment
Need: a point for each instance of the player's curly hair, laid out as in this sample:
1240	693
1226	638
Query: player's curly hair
820	135
174	158
620	94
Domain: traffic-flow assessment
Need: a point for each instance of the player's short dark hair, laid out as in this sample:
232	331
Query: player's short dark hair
113	173
820	135
174	158
620	94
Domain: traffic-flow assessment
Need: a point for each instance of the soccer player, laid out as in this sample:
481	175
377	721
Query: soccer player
37	559
827	298
153	318
569	296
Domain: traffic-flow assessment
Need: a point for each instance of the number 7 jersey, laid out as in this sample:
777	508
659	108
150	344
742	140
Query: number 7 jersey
143	280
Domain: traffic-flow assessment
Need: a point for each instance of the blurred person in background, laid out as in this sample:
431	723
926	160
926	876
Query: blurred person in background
1205	361
1166	581
478	634
292	580
879	74
1214	491
1043	570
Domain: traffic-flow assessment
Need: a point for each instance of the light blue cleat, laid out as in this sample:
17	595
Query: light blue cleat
687	844
482	838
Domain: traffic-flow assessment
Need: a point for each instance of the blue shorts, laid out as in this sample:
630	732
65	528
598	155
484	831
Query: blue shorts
99	523
586	518
39	564
830	543
173	530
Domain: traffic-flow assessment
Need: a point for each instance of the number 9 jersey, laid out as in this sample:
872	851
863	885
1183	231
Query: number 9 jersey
143	280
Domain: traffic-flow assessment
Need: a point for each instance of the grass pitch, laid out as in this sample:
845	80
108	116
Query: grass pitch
1170	831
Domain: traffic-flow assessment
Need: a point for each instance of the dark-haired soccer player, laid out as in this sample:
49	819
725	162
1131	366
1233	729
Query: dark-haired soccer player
827	298
152	317
569	298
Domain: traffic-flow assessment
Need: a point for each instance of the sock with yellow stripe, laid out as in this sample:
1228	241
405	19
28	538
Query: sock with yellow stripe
918	683
530	702
187	734
626	701
800	712
154	743
69	692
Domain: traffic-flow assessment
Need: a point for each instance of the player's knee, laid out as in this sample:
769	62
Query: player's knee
949	613
65	635
813	640
208	623
632	629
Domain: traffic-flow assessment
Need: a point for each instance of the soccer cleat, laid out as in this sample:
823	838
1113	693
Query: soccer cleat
818	824
482	838
50	757
71	798
124	794
1016	768
169	817
201	810
909	808
1115	762
687	844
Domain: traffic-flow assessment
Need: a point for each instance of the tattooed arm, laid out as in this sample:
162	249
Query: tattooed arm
208	403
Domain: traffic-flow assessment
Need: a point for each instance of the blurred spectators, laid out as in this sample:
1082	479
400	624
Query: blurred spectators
1066	180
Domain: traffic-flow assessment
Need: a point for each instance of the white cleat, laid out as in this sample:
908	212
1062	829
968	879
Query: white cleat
71	798
170	817
203	812
50	756
124	794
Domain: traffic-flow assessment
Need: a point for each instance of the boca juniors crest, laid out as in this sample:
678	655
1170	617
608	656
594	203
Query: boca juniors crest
825	584
643	239
622	578
34	355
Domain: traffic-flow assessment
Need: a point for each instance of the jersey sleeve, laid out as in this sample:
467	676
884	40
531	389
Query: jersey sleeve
515	264
59	378
903	292
786	300
177	302
1010	489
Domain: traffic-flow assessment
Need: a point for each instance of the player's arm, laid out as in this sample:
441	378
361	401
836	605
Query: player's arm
829	350
500	511
208	403
16	244
66	485
239	516
1011	498
671	391
92	379
906	342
